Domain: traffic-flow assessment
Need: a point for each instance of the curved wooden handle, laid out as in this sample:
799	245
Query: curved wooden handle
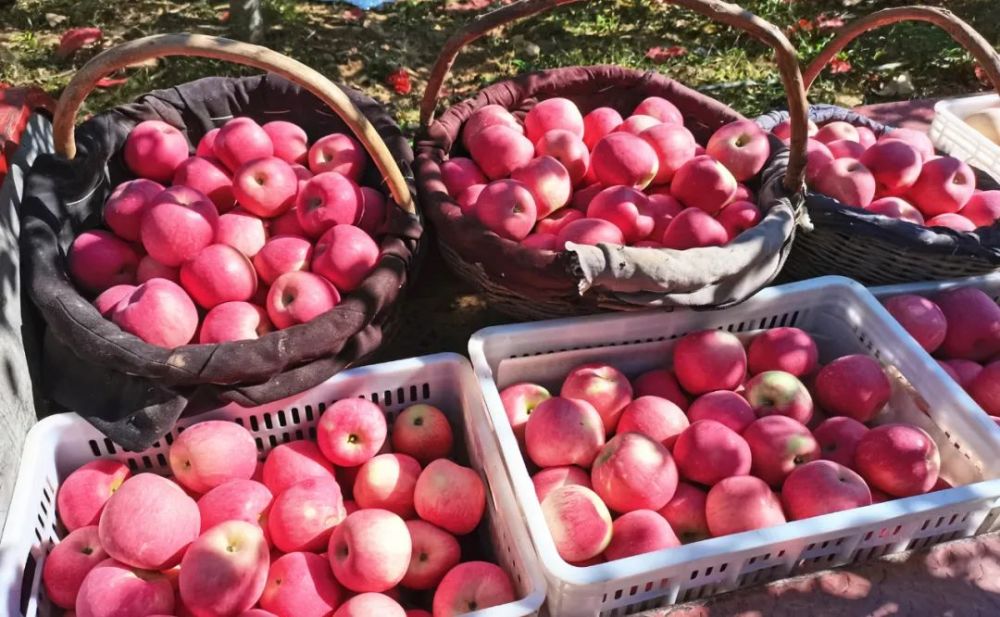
724	12
160	45
963	33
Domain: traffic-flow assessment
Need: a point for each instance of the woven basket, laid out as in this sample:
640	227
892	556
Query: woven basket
874	249
531	284
143	385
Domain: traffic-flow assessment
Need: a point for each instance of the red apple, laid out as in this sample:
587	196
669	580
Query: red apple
293	462
579	522
507	208
68	564
921	318
983	208
485	116
723	406
599	123
709	451
236	500
328	199
779	444
985	388
838	439
673	144
738	216
499	150
837	130
965	371
340	154
159	312
741	503
563	431
944	186
636	124
783	130
266	187
973	324
373	206
552	224
112	589
845	149
581	199
626	208
895	164
367	604
818	156
225	570
99	260
519	400
303	516
154	150
703	183
917	139
423	432
467	199
638	532
549	183
899	459
219	273
601	385
822	487
387	481
301	585
590	232
783	349
179	223
897	208
634	472
435	552
659	108
351	431
694	228
779	393
206	145
242	231
663	209
299	297
472	586
291	144
686	513
149	268
661	383
240	141
345	255
128	202
625	159
655	417
208	454
84	492
568	148
551	478
709	360
282	254
459	173
951	221
210	178
741	146
288	223
854	386
370	551
169	523
551	114
450	496
847	181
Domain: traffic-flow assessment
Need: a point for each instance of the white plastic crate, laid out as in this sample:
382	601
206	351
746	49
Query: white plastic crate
950	133
844	318
989	283
59	444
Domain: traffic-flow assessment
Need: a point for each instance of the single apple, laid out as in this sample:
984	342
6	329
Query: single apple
838	439
741	503
159	312
68	564
370	551
579	522
240	141
127	203
686	513
351	431
154	150
435	552
563	431
709	360
633	472
423	432
898	459
854	386
99	260
709	451
303	516
779	444
299	297
451	496
725	407
822	487
224	572
345	255
208	454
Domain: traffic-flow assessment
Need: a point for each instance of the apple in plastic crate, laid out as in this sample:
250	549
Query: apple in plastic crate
838	439
601	385
423	432
236	500
707	452
450	496
351	431
633	472
562	431
68	564
293	462
723	406
821	487
84	493
579	522
434	553
387	481
301	584
778	445
370	550
112	588
854	386
225	570
779	393
638	532
686	513
741	503
303	516
367	604
655	417
208	454
551	478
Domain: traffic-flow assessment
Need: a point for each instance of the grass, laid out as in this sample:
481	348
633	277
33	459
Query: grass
363	51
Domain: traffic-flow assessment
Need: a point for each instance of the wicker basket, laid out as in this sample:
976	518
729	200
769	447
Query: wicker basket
529	283
278	364
874	249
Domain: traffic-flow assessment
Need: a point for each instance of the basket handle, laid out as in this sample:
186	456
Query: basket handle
729	14
161	45
963	33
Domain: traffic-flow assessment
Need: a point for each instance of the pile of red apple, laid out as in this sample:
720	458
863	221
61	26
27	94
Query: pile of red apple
961	328
227	537
732	439
563	177
245	239
897	175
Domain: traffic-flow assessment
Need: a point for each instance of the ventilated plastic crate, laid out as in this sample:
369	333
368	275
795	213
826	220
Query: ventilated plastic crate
950	133
843	318
59	444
